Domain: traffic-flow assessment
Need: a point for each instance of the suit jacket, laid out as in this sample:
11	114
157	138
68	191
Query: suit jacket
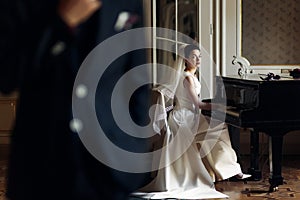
40	57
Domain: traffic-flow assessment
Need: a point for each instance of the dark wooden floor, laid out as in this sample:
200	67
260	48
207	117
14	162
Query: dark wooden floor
253	190
259	189
3	168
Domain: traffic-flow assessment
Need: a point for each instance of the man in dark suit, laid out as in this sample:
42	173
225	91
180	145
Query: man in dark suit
43	44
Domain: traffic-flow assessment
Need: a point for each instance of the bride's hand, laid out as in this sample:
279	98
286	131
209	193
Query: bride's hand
74	12
205	106
218	106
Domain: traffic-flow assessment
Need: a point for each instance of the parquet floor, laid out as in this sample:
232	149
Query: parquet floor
252	190
3	169
258	190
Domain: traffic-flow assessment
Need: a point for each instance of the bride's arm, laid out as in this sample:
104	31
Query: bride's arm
190	86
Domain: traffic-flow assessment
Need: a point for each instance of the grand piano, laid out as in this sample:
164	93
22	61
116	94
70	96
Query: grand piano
269	106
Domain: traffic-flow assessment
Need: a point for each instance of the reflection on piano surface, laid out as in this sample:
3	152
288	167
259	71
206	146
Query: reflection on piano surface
271	107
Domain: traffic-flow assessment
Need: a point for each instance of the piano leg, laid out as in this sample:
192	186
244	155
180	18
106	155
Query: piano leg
275	159
234	134
254	156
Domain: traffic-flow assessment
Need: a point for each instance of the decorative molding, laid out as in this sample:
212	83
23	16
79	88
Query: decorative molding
244	65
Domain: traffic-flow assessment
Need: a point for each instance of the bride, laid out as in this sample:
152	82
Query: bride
197	150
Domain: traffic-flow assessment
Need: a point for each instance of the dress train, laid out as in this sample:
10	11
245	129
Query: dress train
186	177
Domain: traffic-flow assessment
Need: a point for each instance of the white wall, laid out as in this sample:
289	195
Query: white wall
229	37
207	71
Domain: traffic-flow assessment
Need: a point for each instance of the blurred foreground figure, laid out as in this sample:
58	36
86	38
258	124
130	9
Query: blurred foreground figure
43	44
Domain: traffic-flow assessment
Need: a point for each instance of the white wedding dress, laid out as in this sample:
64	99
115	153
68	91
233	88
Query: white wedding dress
198	152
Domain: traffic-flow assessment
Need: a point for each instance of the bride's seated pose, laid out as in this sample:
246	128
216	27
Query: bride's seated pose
196	150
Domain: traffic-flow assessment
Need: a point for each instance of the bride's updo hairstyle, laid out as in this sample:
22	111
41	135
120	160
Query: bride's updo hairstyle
189	48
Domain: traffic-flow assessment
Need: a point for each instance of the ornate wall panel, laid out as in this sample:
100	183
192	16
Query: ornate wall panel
271	32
